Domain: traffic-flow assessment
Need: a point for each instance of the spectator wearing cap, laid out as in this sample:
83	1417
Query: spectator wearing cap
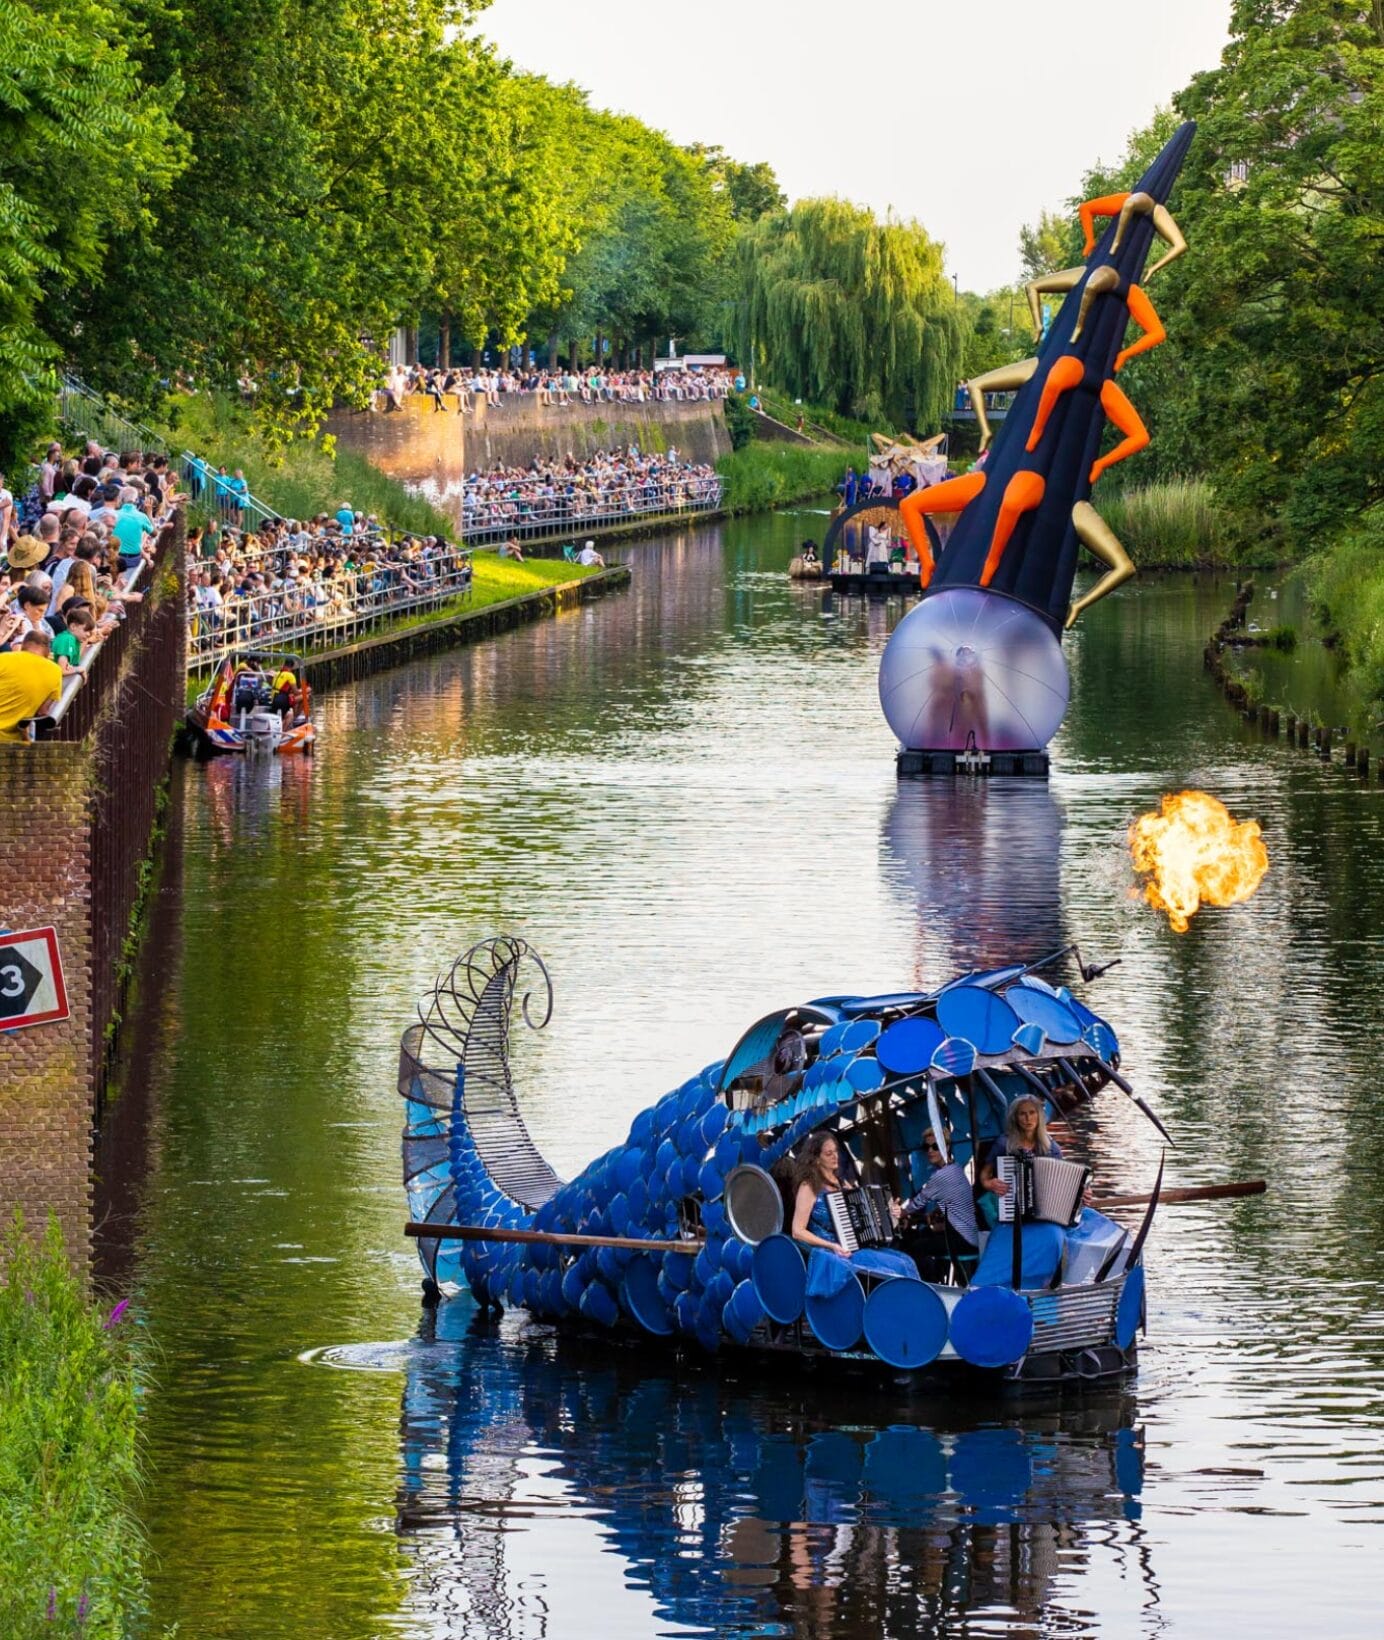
30	683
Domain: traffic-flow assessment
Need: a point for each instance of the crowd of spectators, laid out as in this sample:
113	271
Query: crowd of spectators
460	389
72	546
291	578
608	485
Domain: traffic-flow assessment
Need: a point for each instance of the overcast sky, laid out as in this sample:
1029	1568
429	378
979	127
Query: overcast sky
969	116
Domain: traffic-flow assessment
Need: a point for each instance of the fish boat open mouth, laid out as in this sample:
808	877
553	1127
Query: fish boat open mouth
863	1179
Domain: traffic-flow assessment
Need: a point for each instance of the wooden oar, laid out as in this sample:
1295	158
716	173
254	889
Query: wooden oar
551	1238
1191	1193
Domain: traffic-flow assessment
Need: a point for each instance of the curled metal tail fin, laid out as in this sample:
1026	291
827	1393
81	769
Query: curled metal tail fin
466	1149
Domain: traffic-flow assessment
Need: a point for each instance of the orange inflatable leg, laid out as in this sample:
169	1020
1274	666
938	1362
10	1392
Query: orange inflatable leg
1126	418
1064	375
951	495
1141	311
1109	205
1022	494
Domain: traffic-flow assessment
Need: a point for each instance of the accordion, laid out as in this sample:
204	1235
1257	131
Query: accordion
1041	1187
861	1218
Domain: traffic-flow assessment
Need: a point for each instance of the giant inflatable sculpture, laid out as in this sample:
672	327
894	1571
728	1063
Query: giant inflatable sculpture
977	666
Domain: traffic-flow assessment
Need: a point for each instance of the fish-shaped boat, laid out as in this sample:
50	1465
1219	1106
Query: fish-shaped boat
681	1232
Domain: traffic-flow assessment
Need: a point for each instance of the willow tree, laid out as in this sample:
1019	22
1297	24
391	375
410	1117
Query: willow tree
845	310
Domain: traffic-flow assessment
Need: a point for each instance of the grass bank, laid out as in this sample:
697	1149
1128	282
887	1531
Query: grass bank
1172	525
307	478
764	475
494	582
1347	590
71	1549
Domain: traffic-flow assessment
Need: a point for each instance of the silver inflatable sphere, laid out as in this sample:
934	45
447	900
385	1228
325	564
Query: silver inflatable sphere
969	662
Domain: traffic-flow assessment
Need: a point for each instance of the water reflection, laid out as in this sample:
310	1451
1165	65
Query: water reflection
740	1508
982	862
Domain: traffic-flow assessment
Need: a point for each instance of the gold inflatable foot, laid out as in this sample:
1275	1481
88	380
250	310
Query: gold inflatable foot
1102	543
1002	380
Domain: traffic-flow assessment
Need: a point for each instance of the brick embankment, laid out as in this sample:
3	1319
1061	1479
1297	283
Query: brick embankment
78	813
431	451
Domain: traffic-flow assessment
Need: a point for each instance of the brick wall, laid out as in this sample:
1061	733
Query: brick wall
76	816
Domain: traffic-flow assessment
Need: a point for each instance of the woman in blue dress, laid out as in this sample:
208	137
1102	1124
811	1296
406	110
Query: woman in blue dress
829	1267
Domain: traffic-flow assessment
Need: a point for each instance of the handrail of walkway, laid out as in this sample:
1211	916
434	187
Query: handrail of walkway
562	520
274	617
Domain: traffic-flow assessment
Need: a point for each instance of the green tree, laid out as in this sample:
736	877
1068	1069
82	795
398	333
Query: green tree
85	154
1279	303
851	312
1047	245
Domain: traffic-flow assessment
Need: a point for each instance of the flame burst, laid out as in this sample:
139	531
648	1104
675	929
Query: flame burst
1193	851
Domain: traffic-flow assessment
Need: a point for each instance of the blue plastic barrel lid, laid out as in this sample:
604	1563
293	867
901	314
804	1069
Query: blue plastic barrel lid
1056	1019
865	1075
1030	1038
860	1033
979	1016
744	1305
830	1042
1101	1039
908	1045
991	1326
955	1056
642	1297
837	1321
1129	1313
905	1323
780	1278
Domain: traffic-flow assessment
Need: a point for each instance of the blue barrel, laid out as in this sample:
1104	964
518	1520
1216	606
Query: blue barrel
645	1303
736	1256
678	1268
780	1278
685	1310
837	1321
598	1304
714	1218
610	1261
574	1280
706	1264
710	1181
745	1307
719	1289
627	1167
712	1124
991	1326
905	1323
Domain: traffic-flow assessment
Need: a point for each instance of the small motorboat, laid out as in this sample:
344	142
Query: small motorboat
677	1234
259	702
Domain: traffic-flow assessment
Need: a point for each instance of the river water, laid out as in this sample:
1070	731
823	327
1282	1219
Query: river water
685	798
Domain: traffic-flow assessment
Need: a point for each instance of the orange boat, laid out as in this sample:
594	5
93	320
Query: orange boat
260	701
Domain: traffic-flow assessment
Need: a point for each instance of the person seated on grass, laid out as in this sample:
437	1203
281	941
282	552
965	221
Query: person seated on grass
589	557
30	683
512	549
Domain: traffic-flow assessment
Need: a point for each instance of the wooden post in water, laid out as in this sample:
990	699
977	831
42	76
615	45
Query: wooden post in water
1350	754
1362	762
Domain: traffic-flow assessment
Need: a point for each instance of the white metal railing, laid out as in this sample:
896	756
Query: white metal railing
212	491
89	416
313	615
527	517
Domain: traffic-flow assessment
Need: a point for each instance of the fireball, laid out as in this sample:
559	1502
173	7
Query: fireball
1192	851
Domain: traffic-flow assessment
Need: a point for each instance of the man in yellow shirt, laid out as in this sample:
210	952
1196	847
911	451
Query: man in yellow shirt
30	682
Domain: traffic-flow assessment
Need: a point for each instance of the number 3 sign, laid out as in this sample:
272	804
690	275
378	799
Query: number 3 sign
31	984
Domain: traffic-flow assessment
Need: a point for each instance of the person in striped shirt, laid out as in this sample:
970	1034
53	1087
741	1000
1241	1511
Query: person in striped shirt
938	1224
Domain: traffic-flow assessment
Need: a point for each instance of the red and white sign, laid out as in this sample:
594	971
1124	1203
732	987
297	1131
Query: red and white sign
31	984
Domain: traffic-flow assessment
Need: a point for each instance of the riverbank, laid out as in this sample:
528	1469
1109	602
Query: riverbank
71	1546
460	621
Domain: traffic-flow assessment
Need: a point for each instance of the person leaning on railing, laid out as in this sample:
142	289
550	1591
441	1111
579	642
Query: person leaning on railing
30	683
